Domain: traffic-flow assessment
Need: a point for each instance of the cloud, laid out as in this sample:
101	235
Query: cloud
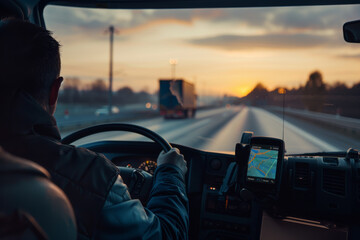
350	56
89	20
315	18
280	41
305	19
95	19
289	18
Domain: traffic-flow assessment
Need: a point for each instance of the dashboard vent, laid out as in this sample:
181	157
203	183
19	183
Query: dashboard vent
334	181
331	161
302	174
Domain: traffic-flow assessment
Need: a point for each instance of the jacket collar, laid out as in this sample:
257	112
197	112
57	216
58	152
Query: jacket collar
24	116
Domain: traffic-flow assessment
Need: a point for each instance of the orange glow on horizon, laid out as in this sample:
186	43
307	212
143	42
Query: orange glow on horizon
242	91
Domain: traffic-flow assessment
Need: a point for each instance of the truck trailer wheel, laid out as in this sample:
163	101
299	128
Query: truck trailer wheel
190	113
193	113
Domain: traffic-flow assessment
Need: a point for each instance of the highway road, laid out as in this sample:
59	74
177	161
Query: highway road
220	129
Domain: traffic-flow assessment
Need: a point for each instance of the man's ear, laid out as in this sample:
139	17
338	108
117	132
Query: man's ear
54	91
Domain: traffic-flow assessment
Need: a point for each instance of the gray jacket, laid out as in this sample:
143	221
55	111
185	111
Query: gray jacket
165	216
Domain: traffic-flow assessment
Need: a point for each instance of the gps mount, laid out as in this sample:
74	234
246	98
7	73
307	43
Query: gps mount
233	189
233	182
262	184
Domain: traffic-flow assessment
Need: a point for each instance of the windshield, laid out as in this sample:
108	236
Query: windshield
201	77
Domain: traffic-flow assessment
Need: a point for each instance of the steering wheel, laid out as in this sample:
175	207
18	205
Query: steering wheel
139	182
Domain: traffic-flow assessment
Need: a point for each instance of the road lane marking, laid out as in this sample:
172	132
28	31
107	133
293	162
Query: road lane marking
300	132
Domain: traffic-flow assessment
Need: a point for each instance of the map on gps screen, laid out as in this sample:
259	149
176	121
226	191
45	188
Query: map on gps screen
262	163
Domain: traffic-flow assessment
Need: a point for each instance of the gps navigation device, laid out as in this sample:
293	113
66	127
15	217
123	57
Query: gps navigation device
264	165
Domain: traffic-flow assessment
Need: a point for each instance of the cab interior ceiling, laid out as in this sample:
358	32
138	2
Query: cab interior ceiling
32	9
157	4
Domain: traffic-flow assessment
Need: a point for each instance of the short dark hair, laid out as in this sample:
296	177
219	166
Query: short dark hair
29	58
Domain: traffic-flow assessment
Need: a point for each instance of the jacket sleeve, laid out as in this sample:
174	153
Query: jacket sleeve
165	217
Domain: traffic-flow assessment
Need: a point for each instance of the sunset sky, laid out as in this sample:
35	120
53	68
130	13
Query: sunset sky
223	51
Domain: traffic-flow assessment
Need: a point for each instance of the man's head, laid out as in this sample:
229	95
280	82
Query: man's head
30	60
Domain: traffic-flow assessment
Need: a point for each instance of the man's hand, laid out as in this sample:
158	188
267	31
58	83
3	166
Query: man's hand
173	157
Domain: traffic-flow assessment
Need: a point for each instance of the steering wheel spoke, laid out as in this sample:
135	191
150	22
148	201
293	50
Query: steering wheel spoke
139	183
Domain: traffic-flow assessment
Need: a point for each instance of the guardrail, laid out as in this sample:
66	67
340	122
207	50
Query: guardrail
350	125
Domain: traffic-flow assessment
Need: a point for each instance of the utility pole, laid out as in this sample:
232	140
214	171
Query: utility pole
111	30
282	91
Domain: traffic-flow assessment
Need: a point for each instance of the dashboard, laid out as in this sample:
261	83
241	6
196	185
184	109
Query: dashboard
318	195
148	164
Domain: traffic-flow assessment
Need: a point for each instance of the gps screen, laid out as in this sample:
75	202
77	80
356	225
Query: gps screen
262	164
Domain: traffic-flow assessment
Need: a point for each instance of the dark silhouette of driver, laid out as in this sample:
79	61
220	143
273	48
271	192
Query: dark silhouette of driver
29	86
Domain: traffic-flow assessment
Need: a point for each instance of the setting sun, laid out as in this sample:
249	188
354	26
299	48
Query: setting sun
242	90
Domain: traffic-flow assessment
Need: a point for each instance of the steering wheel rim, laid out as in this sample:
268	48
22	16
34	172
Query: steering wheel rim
125	127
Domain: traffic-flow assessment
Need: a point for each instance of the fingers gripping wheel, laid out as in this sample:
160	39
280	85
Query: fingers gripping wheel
138	181
173	157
